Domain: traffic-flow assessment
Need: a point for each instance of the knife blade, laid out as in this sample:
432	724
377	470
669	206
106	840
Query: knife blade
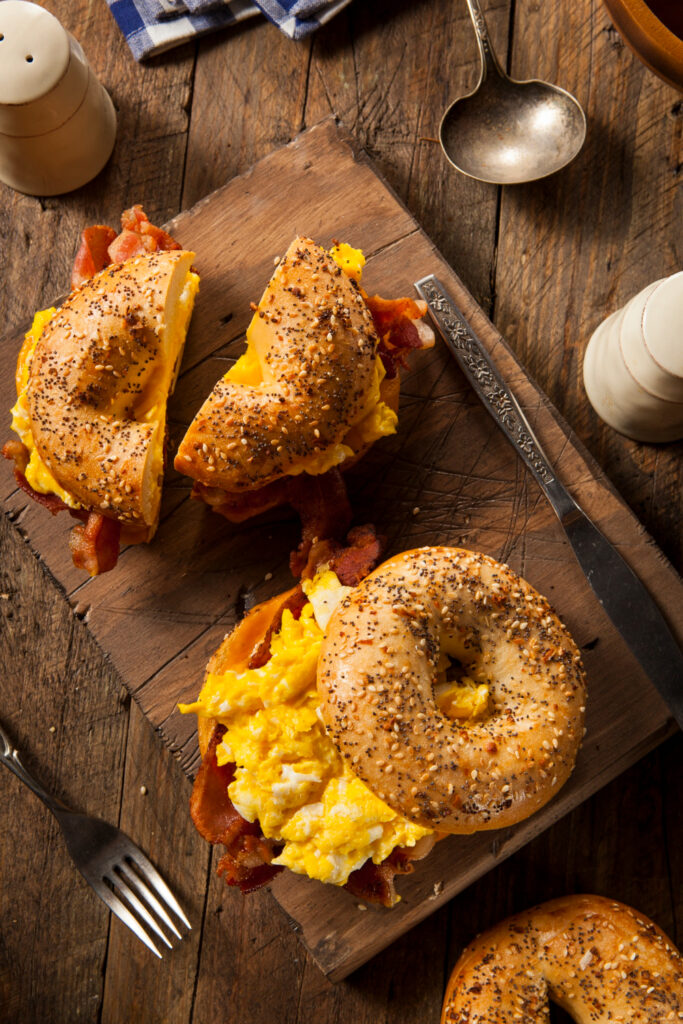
620	592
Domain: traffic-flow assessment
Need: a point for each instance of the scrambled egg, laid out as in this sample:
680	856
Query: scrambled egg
37	474
376	420
349	259
289	774
461	698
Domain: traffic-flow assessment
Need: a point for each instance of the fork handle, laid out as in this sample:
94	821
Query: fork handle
9	756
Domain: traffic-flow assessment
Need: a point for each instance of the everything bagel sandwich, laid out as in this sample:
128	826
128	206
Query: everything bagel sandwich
349	723
317	385
93	379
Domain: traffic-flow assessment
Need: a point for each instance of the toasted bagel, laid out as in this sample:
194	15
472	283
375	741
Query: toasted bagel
376	679
99	381
598	959
313	337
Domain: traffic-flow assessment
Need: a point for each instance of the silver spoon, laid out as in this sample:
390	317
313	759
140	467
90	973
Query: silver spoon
506	131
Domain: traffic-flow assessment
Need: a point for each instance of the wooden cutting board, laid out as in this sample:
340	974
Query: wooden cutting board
447	477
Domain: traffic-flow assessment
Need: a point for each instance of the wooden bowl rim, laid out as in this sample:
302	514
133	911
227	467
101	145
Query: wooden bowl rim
650	25
649	38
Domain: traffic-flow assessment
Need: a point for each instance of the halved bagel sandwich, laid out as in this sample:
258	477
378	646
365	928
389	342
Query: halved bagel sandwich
317	385
348	724
93	379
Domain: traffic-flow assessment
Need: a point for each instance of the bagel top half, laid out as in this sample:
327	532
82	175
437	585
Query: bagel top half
311	369
98	382
413	631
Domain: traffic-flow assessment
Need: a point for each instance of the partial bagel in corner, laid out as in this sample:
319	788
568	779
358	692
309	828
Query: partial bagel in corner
599	960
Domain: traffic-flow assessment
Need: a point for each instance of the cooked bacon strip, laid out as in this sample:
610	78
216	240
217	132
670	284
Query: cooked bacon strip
246	861
360	556
101	245
51	502
350	562
135	219
95	544
92	253
323	505
396	322
294	603
374	883
17	452
138	236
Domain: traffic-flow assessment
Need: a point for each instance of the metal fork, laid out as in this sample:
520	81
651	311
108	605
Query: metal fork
109	861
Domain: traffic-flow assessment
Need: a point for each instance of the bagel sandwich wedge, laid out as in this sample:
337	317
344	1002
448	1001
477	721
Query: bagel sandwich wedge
317	385
93	379
342	749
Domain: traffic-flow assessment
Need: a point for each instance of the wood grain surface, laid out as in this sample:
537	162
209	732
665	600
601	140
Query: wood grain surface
547	262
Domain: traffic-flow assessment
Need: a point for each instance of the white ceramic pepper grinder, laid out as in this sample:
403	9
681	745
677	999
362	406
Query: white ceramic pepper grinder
57	122
633	367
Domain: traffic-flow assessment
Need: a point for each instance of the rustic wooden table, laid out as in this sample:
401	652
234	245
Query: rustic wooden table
547	262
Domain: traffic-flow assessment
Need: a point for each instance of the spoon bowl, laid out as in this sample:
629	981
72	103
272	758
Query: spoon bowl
507	132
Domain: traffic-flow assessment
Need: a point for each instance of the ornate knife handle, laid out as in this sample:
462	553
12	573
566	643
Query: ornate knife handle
485	379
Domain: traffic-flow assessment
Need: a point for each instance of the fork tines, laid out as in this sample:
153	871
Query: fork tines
134	890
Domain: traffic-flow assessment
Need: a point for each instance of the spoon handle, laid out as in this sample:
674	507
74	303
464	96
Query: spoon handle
489	61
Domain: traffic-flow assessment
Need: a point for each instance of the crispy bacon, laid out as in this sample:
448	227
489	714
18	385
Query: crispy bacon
351	562
94	544
360	556
246	861
396	322
92	255
100	245
294	603
238	507
324	509
138	236
135	219
374	883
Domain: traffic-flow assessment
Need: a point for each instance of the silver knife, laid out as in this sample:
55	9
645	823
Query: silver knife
617	588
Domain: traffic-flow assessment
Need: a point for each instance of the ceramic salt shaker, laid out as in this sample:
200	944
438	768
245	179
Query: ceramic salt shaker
57	122
633	367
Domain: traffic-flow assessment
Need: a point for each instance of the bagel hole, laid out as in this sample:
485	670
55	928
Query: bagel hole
558	1015
458	695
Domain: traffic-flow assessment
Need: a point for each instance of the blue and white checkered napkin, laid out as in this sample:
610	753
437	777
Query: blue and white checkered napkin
152	26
